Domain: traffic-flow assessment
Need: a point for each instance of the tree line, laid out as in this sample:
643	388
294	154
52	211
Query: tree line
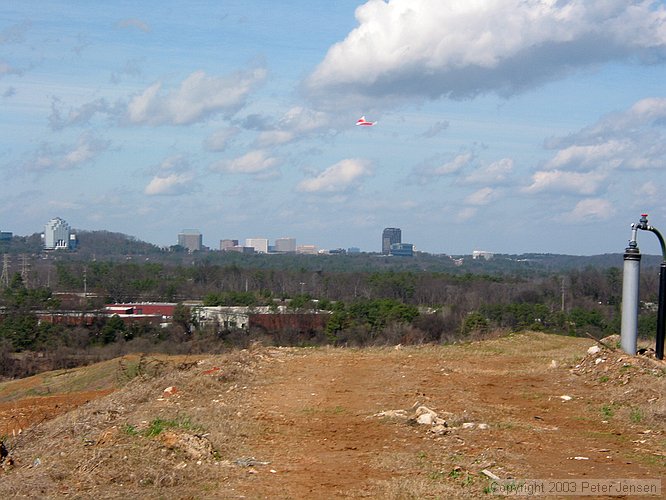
364	307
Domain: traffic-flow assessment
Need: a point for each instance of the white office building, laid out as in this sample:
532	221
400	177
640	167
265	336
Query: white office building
58	235
260	245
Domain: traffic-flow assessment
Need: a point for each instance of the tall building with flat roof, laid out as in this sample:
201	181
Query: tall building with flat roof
390	236
191	239
228	244
285	245
260	245
58	235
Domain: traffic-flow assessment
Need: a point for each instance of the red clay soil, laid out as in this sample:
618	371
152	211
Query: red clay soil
321	438
18	415
318	433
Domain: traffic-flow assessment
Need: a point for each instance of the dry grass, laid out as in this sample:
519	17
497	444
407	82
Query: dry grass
141	441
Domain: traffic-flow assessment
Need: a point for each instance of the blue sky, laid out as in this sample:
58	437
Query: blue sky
510	126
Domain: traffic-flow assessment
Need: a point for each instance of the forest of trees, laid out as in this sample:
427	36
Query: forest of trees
371	299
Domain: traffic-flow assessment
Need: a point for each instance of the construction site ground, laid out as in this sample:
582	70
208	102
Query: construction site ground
272	422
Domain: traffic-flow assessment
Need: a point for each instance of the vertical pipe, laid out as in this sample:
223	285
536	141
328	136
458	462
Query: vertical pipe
661	313
630	282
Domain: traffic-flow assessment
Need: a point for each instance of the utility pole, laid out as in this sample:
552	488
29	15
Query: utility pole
24	269
4	279
562	290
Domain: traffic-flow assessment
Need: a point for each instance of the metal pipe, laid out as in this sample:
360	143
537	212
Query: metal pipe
661	313
630	282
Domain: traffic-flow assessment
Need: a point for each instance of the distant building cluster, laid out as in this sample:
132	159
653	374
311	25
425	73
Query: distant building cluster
58	235
392	243
482	254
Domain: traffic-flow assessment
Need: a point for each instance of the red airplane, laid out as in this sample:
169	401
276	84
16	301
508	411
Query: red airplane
363	122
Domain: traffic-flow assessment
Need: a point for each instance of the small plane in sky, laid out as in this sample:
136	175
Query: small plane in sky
363	122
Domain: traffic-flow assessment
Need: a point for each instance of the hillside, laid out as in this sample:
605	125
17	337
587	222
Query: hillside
335	422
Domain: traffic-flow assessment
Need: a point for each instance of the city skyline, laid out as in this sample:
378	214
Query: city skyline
513	126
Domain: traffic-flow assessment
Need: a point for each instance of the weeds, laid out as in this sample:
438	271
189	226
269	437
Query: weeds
636	415
130	430
159	425
607	411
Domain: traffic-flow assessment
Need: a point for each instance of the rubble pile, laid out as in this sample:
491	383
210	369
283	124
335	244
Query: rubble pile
436	423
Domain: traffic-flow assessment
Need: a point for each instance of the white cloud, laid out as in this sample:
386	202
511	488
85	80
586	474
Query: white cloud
590	209
336	178
455	165
585	162
66	157
567	182
250	163
495	173
219	139
466	213
433	167
436	129
633	139
171	184
198	97
77	116
481	197
460	48
297	122
648	192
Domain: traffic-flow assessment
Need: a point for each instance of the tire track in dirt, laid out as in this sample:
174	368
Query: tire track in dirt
315	415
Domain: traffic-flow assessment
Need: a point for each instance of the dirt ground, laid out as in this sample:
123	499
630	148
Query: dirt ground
342	423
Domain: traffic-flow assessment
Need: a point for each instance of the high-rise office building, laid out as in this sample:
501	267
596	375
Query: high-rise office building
191	239
58	235
228	244
260	245
285	245
390	236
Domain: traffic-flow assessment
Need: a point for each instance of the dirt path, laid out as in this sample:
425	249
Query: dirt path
321	436
310	419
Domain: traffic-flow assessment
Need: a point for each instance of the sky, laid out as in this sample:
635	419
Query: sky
510	126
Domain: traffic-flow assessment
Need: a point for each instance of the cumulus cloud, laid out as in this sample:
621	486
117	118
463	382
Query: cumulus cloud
633	139
219	139
337	178
76	116
434	167
65	157
250	163
297	122
481	197
198	97
585	183
436	129
173	176
629	140
459	48
132	68
590	209
495	173
169	184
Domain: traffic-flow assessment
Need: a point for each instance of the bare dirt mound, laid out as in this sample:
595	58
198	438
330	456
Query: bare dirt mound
417	422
